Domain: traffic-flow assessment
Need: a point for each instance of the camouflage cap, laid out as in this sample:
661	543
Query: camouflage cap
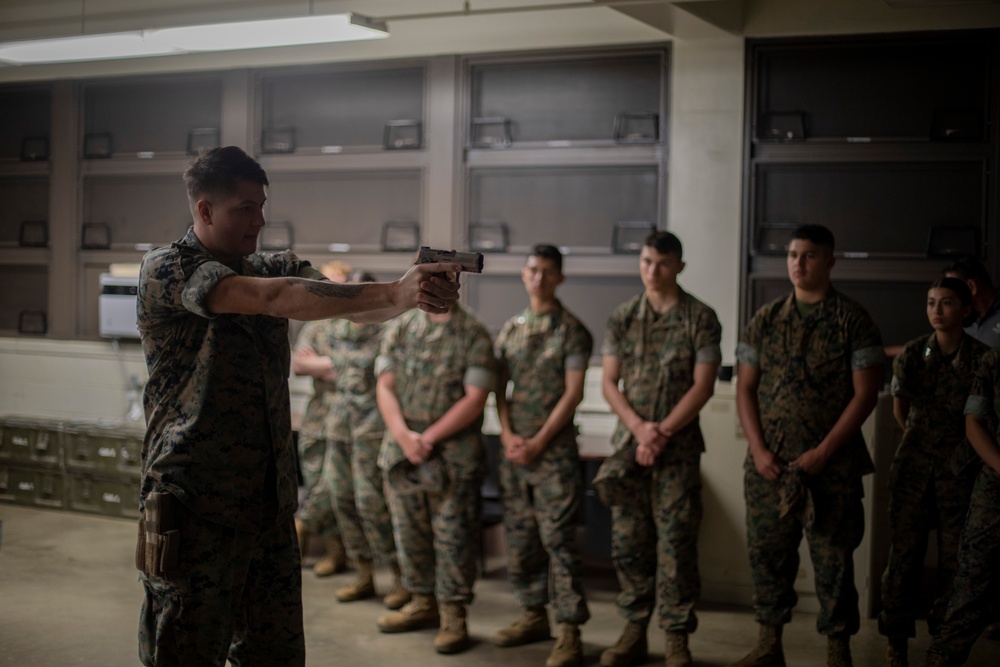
620	479
428	477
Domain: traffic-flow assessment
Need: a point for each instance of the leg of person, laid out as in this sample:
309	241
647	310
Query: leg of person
977	581
773	548
411	522
319	516
311	451
952	495
527	562
677	512
369	496
189	613
556	503
269	630
633	554
456	529
910	512
836	532
349	522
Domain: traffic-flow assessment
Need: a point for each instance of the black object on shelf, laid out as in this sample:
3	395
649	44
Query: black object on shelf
782	126
772	238
32	322
637	128
34	149
488	237
629	236
953	241
956	125
401	236
491	132
97	145
201	139
96	236
278	140
403	134
33	234
277	236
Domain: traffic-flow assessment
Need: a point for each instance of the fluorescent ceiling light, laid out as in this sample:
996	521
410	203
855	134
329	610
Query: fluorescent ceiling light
314	29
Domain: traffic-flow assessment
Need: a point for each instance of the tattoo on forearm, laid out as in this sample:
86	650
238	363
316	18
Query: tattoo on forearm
338	290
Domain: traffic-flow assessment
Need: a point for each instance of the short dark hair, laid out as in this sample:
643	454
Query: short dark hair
549	252
970	268
818	234
956	285
665	243
220	170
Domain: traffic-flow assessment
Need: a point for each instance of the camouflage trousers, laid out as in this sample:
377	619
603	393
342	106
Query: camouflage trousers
438	538
235	595
359	500
834	534
916	506
654	547
540	516
976	589
316	511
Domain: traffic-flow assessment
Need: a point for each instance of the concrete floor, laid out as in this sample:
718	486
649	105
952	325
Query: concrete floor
69	596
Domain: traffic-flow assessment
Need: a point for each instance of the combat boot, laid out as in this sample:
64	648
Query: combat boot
334	561
631	648
838	651
302	534
533	626
896	655
453	635
419	613
767	652
397	595
677	651
361	588
568	651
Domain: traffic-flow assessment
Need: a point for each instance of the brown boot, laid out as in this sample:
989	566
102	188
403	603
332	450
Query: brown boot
419	613
631	648
677	651
453	635
361	588
302	533
334	561
767	652
838	651
397	595
896	656
533	626
568	651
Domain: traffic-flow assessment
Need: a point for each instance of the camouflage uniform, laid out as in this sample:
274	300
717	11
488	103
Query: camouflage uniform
974	598
354	429
219	439
925	491
316	512
541	501
437	532
654	538
806	364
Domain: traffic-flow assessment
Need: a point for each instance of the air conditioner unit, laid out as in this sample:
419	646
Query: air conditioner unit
116	306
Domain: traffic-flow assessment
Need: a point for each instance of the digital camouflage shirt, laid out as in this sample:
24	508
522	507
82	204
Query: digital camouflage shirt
219	433
806	365
536	351
353	412
936	386
657	354
433	362
313	336
984	402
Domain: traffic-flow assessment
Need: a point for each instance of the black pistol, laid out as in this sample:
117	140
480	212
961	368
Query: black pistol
470	261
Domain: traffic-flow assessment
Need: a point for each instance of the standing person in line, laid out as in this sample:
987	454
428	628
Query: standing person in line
932	472
985	299
543	352
976	588
663	346
315	516
435	373
217	545
810	367
355	429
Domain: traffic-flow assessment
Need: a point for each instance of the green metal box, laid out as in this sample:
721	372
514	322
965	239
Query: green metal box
36	487
36	443
107	450
118	497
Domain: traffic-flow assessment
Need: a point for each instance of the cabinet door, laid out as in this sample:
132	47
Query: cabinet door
137	209
24	199
23	289
26	113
